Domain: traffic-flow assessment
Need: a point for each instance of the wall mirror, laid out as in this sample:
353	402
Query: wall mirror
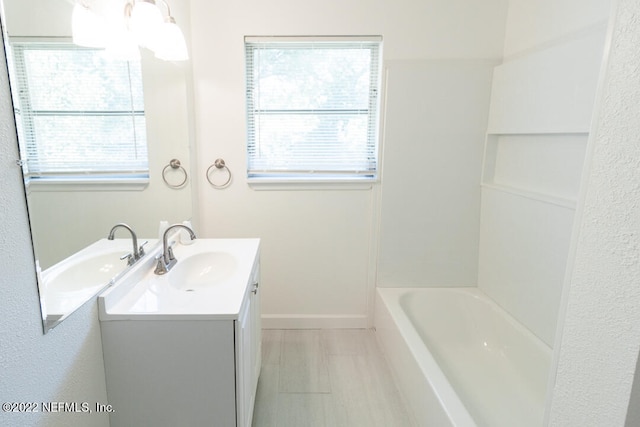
72	213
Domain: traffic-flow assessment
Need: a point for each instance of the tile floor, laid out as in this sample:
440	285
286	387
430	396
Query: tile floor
326	378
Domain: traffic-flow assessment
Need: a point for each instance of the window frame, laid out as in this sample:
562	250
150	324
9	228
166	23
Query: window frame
309	179
135	179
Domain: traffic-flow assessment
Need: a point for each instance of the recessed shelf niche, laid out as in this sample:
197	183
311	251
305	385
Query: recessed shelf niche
543	167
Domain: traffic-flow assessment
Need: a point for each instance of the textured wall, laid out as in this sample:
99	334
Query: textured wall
66	364
601	336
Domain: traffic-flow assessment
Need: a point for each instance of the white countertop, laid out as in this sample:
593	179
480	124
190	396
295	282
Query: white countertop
143	295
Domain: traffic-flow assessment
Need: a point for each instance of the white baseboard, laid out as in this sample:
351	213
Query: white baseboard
315	321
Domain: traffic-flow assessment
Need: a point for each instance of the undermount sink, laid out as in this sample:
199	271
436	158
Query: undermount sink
201	270
88	272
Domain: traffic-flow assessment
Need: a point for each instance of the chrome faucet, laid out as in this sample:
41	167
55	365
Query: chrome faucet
166	260
138	252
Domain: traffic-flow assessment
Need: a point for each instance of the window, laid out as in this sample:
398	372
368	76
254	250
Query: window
312	108
80	115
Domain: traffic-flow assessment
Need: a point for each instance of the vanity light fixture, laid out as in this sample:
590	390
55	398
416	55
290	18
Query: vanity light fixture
171	44
122	45
142	25
88	29
155	32
144	21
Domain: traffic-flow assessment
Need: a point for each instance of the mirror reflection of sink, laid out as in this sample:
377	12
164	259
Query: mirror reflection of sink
89	272
202	270
73	281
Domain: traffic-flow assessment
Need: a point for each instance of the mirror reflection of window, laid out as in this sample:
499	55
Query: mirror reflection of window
80	114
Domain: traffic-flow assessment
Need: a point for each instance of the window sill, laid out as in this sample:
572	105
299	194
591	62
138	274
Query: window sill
301	184
86	184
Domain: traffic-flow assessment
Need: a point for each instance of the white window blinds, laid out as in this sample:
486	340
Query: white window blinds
312	107
79	114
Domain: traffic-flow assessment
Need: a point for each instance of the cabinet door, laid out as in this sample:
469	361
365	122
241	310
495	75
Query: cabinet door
256	330
248	352
244	361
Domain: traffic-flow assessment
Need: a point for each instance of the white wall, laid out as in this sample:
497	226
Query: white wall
541	107
318	246
430	195
600	340
65	365
534	23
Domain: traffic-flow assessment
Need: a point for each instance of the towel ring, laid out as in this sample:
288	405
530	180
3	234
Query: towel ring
219	164
174	164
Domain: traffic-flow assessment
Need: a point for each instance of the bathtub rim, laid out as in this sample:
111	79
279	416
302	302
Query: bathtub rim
389	299
431	373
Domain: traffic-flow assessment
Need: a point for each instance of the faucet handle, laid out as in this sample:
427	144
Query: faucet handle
161	268
141	249
129	257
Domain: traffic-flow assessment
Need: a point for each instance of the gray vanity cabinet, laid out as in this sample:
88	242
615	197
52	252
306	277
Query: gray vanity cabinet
185	370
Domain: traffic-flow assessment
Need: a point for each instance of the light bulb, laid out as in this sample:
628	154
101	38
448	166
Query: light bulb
87	28
170	44
145	21
122	46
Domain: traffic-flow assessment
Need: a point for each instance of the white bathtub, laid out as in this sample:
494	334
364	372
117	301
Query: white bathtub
460	359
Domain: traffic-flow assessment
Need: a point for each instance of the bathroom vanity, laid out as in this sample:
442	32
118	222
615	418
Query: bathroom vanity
183	348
